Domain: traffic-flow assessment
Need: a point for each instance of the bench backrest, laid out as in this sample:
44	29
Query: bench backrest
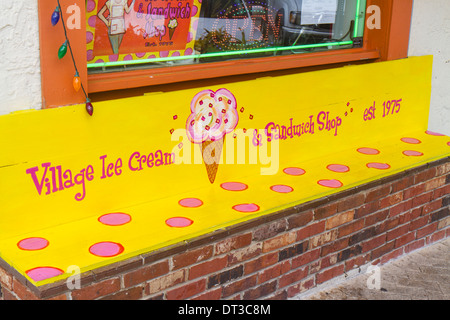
129	151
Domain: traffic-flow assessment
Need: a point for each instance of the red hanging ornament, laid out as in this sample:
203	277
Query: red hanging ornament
89	107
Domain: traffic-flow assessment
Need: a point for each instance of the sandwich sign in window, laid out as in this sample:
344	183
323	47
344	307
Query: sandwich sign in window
127	34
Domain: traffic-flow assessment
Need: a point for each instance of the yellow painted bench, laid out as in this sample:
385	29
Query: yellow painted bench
89	191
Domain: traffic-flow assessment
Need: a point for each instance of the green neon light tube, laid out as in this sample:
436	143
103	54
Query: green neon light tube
216	54
358	7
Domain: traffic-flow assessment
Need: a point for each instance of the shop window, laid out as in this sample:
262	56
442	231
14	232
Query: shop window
138	34
132	44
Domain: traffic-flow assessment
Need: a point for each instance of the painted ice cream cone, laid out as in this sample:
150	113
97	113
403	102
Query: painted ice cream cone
211	152
213	115
173	24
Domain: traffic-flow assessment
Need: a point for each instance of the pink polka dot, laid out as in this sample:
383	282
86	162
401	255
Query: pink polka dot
115	219
89	36
90	55
448	143
128	57
90	6
330	183
113	57
338	168
379	166
190	203
293	171
179	222
140	54
106	249
431	133
194	11
188	52
411	140
31	244
234	186
246	207
190	37
92	20
43	273
412	153
164	54
282	188
368	151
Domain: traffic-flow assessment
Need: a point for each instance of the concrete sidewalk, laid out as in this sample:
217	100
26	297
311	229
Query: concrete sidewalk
421	275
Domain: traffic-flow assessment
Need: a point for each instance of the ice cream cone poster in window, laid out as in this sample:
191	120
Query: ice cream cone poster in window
123	30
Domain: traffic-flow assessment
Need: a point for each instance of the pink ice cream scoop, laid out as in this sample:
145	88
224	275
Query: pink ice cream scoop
214	114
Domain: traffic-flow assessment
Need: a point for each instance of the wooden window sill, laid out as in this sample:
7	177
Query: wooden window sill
147	77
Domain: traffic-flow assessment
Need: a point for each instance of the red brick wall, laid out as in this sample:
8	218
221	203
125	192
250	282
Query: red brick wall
280	255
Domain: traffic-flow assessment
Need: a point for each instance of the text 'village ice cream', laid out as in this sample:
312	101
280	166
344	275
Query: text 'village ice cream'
213	115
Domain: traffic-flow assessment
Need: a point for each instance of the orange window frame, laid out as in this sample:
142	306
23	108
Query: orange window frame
388	43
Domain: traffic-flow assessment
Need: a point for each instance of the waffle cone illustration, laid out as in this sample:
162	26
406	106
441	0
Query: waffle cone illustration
211	152
171	31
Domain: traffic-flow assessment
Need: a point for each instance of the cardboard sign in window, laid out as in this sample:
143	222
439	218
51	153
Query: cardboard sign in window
121	30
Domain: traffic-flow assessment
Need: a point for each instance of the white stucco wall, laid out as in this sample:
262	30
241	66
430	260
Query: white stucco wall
20	82
430	34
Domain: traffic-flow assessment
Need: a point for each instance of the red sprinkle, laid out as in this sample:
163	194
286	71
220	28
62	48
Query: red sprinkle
207	128
242	109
